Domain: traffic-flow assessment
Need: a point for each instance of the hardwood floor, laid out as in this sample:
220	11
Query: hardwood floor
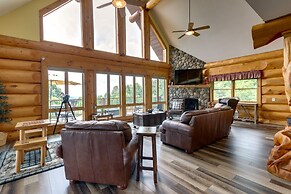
236	164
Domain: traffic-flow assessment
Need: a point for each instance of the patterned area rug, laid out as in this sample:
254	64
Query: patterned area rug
31	163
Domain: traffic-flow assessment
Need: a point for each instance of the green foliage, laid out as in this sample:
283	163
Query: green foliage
245	90
55	94
4	106
154	90
138	93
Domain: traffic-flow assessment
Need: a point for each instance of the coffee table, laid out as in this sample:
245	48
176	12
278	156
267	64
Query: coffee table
149	119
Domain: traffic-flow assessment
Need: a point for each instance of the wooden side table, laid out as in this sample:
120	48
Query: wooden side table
146	132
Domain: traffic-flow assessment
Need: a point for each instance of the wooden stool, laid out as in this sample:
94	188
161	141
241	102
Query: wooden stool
35	143
148	132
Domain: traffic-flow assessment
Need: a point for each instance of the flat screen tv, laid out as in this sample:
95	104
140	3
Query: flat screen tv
188	76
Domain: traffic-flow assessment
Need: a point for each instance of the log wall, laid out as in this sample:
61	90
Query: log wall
272	101
24	67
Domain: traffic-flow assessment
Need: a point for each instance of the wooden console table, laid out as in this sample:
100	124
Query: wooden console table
253	117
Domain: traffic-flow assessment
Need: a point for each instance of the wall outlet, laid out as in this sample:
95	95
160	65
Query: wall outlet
273	99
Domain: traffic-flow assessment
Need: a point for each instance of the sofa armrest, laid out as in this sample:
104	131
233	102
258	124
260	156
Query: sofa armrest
59	151
130	149
177	127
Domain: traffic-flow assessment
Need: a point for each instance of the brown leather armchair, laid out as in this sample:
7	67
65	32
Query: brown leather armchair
99	152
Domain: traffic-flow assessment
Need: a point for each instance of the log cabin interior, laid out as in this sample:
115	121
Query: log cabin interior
121	61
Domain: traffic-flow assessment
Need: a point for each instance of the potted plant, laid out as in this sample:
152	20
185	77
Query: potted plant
4	112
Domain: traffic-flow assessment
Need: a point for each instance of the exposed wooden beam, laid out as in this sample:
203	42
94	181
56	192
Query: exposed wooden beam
121	32
135	16
87	23
265	33
145	34
152	3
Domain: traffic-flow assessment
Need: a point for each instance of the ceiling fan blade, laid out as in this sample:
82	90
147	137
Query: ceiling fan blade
104	5
201	28
136	2
181	36
178	31
121	11
196	34
190	25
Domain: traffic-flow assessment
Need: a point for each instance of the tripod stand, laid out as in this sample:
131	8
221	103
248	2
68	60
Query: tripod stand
65	101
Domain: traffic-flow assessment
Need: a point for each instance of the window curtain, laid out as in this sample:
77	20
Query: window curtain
255	74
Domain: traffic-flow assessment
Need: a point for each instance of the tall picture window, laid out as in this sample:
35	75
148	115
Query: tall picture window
108	94
134	94
158	93
61	83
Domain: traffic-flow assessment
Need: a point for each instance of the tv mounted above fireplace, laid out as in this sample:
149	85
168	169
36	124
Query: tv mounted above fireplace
188	76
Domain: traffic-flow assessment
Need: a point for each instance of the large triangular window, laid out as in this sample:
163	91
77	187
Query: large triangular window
63	24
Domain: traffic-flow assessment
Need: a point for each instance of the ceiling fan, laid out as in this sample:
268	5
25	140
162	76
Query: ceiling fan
122	3
190	30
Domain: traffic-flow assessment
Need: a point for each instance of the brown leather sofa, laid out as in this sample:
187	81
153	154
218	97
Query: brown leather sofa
197	128
99	152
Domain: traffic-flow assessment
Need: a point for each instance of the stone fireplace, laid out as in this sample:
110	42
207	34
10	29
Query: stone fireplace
180	60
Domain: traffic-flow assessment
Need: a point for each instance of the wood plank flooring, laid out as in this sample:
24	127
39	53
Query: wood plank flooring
236	164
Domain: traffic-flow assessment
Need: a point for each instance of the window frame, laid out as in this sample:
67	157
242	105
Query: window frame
66	86
158	89
108	106
233	88
134	104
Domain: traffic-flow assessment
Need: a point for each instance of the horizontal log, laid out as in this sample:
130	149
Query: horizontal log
17	100
19	88
274	115
96	63
273	90
246	59
278	81
275	63
6	127
275	107
272	73
19	65
8	52
33	48
277	122
239	67
274	99
19	76
267	32
25	111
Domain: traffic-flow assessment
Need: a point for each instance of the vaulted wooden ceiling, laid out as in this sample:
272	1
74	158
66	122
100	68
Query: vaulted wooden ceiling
230	21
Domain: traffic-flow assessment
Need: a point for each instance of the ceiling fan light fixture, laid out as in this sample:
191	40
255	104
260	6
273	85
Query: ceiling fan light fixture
119	3
189	33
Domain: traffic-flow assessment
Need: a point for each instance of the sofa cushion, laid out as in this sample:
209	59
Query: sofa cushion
187	115
208	110
112	125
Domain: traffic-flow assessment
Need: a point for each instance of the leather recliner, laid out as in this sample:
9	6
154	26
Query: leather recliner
99	152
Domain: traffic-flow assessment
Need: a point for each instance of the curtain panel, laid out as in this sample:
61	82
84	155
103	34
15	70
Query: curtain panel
236	76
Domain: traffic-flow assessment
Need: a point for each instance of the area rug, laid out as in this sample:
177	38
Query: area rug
31	165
